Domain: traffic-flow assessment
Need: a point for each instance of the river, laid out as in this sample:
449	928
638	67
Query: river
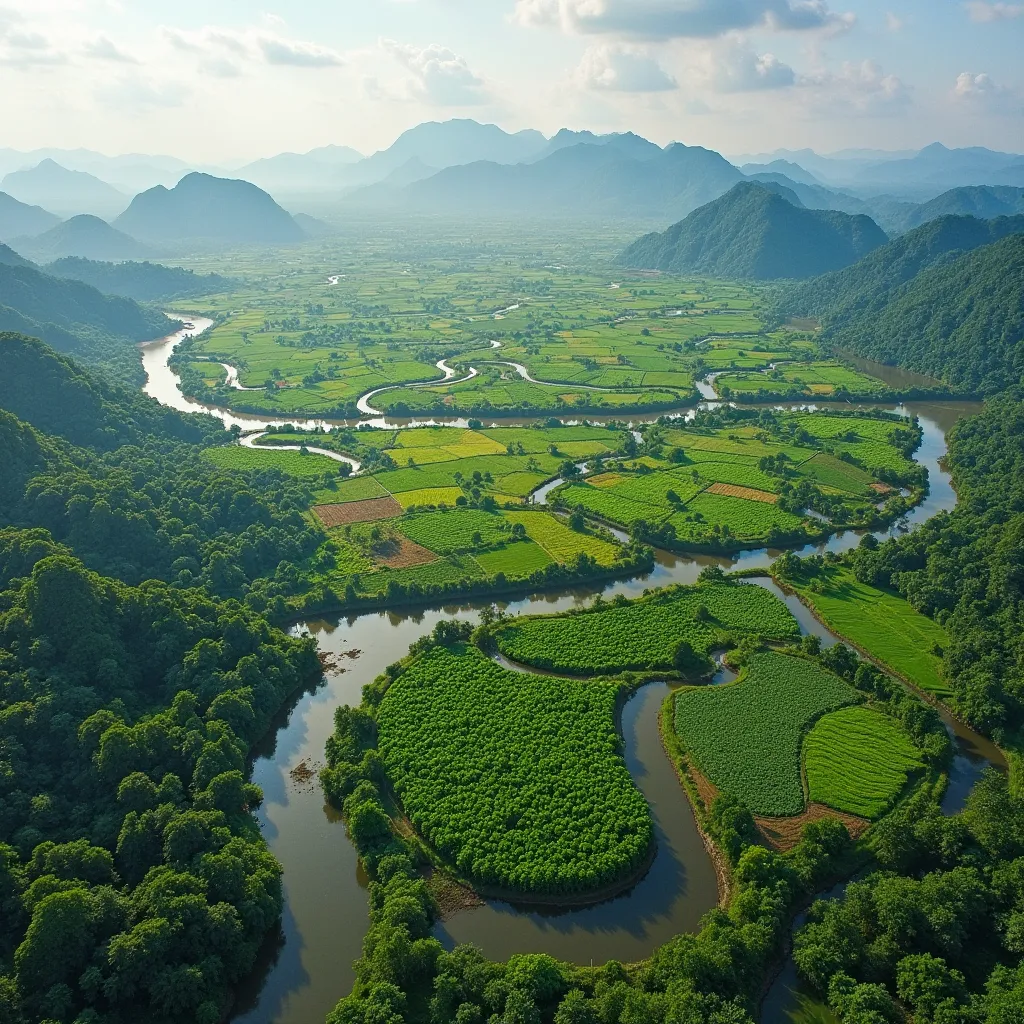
308	965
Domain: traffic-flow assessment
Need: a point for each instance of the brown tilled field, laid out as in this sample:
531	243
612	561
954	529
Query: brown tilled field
736	491
368	511
402	553
784	833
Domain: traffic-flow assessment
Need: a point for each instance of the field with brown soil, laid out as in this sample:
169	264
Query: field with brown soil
736	491
368	511
783	834
402	553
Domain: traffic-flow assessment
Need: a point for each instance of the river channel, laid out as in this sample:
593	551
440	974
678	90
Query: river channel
309	965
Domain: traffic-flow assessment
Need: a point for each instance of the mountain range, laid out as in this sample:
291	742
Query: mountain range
64	192
86	236
758	231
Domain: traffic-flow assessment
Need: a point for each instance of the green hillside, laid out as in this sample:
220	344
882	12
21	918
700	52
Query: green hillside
59	397
144	282
869	284
960	320
753	231
78	319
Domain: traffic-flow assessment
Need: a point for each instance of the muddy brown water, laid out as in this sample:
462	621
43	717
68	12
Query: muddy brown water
308	965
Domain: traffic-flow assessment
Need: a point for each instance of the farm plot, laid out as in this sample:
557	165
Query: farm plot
560	542
746	737
881	623
402	553
735	491
252	459
429	496
745	519
517	781
646	633
369	511
515	561
457	530
608	505
858	760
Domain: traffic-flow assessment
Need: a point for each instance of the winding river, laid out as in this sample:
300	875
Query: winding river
308	965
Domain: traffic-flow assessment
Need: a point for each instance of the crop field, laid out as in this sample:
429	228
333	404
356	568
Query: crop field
645	633
821	379
517	781
735	491
457	530
402	553
398	306
726	484
858	760
560	542
746	736
881	623
369	511
359	488
434	496
515	560
293	463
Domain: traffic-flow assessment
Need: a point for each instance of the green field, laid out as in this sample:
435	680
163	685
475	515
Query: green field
881	623
858	760
820	379
293	463
517	781
746	736
645	634
750	480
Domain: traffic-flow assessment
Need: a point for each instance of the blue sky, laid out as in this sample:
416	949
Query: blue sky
223	80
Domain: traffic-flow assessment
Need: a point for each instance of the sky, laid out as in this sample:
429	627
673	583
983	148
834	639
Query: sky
226	81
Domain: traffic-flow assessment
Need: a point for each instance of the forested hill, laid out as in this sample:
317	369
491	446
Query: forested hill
59	397
868	285
76	318
144	282
960	320
754	232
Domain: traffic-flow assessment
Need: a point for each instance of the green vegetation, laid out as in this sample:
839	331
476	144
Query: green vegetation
76	318
746	737
297	464
673	628
858	760
759	231
144	282
810	379
736	478
517	781
877	621
929	314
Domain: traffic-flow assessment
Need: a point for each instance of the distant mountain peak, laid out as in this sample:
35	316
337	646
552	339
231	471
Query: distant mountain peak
204	207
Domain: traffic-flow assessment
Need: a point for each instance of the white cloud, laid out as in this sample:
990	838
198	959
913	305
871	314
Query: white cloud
982	11
136	94
974	86
440	76
102	48
862	88
893	22
620	68
670	19
736	68
287	53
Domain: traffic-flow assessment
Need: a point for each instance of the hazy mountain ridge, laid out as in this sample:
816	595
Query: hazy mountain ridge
202	207
53	187
85	236
18	219
756	231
